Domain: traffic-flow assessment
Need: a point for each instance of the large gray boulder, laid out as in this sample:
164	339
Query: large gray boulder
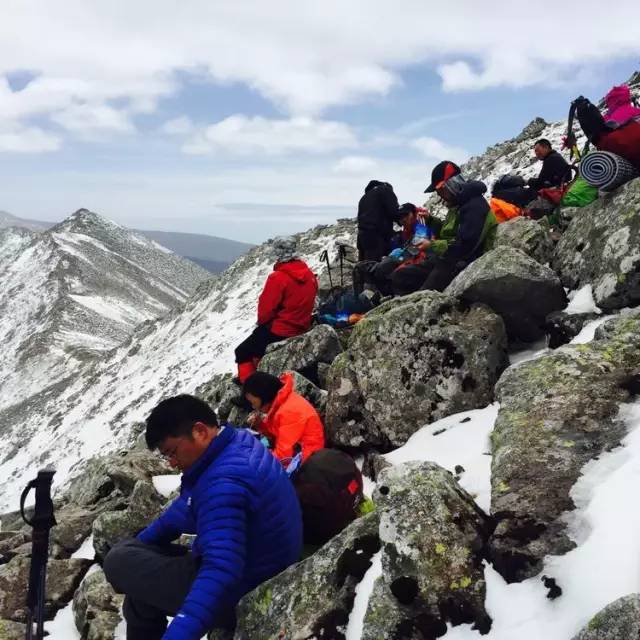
529	236
433	536
111	527
63	577
303	353
556	414
312	599
601	247
409	362
522	291
96	607
618	621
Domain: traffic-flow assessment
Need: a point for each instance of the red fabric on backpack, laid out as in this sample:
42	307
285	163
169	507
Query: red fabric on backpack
624	141
286	302
554	194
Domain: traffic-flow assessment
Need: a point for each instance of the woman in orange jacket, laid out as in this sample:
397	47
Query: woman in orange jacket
283	416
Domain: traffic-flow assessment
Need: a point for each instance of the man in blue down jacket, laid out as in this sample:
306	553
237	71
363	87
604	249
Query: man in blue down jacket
239	501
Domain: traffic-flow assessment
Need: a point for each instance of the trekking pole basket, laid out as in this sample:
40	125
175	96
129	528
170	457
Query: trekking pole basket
41	522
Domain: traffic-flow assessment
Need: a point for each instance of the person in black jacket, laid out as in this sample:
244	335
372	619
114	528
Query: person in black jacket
377	210
555	169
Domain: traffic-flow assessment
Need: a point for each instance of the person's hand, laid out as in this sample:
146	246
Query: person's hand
423	245
253	419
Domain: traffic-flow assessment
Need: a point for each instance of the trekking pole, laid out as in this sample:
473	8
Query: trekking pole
325	256
341	254
41	523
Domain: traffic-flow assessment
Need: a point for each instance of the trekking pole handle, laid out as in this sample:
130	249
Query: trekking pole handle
43	514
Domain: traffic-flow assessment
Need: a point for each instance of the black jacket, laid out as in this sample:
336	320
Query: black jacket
555	171
377	210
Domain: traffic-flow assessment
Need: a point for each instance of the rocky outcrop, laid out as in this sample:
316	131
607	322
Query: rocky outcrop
522	291
313	598
556	413
144	505
303	353
63	576
96	607
618	621
409	362
528	236
562	327
10	630
433	536
601	247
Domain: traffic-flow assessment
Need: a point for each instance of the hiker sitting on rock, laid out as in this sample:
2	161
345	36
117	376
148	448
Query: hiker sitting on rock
555	172
285	306
467	231
288	420
239	502
377	210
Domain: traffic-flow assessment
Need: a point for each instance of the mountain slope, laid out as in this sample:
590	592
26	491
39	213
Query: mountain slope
98	409
77	291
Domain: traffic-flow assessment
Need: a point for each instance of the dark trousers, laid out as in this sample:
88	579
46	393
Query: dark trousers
372	246
155	580
435	274
256	344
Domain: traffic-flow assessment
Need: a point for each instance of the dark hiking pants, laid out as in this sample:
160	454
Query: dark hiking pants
256	344
435	274
372	246
155	581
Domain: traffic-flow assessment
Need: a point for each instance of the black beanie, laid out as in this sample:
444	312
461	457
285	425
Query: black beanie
262	385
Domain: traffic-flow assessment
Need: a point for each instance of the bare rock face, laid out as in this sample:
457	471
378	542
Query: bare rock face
529	236
96	607
601	247
433	536
619	620
409	362
519	289
556	413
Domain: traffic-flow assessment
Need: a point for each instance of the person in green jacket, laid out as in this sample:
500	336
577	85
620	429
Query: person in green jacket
466	233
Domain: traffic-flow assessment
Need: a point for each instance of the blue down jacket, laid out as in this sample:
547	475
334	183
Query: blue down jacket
239	501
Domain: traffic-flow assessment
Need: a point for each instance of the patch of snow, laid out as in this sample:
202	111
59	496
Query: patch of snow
588	332
166	484
530	352
581	301
86	550
461	439
363	593
63	626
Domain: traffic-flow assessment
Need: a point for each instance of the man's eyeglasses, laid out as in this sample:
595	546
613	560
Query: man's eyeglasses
168	455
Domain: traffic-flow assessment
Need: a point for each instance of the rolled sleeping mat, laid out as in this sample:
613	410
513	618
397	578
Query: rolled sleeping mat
606	170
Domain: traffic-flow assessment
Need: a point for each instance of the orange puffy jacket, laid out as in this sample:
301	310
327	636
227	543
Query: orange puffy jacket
292	419
504	210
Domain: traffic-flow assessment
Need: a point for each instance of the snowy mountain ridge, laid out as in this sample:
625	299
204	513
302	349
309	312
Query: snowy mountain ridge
76	291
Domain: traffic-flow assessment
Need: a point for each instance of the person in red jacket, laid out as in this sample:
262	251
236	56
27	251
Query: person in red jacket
290	422
285	306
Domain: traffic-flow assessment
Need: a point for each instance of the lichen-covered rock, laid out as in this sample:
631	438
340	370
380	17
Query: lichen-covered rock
618	621
433	535
73	527
10	630
144	505
96	607
556	413
312	599
522	291
63	577
601	247
111	478
562	327
527	235
219	393
411	361
303	353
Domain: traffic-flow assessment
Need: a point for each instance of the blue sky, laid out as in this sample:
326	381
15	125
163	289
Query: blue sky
266	118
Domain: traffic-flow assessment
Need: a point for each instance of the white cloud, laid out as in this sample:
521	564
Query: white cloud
91	120
15	138
435	149
242	135
355	165
178	126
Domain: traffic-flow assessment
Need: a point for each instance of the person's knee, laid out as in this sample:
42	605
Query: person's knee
117	563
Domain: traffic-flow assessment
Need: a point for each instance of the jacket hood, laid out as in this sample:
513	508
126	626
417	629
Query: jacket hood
618	97
376	183
472	189
296	269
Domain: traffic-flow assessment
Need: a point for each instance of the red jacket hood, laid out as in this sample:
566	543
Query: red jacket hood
296	269
618	97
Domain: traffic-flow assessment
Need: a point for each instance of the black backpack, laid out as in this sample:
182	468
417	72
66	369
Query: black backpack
329	488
